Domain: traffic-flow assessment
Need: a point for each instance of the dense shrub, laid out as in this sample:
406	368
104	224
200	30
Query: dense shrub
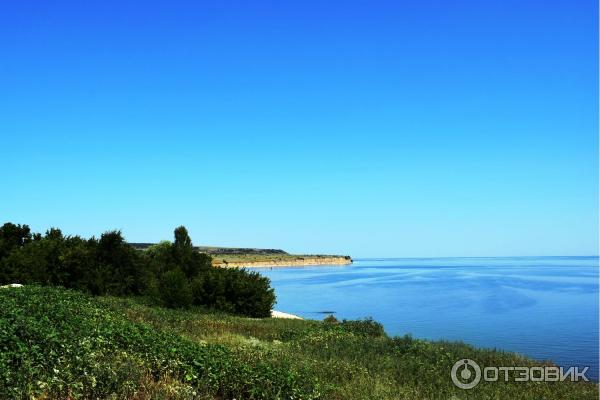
173	274
13	236
175	291
234	290
364	327
105	266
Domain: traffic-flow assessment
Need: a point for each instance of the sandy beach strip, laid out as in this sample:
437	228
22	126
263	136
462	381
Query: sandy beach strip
279	314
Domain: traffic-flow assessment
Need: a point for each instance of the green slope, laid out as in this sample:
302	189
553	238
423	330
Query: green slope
57	343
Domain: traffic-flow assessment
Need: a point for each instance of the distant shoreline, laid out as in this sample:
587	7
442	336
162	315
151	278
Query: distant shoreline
289	261
233	257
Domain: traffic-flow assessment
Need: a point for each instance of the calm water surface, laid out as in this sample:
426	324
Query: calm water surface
543	307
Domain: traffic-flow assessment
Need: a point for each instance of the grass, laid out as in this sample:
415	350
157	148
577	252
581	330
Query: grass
61	344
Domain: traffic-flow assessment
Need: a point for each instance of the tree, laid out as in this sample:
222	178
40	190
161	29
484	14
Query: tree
54	233
173	273
33	261
234	290
80	268
175	291
121	264
13	236
182	238
186	257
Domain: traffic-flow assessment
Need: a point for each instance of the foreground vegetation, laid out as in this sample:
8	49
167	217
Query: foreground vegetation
171	274
63	344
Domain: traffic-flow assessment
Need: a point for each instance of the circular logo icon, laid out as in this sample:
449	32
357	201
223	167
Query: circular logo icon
465	374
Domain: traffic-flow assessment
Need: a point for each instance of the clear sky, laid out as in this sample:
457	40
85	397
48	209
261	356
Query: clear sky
370	128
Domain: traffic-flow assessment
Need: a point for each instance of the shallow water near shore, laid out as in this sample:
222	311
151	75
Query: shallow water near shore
542	307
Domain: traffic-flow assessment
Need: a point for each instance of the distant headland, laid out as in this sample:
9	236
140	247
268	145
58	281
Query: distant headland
235	257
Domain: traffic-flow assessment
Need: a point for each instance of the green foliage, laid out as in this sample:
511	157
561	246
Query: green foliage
350	363
13	236
166	272
159	258
121	265
234	290
190	261
61	344
364	327
175	291
105	266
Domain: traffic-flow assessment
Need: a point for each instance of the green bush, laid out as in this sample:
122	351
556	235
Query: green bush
13	236
365	327
175	291
234	290
173	274
105	266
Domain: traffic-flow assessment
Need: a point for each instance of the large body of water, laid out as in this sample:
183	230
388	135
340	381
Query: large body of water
543	307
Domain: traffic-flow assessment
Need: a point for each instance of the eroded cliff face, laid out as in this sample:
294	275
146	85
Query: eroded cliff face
333	260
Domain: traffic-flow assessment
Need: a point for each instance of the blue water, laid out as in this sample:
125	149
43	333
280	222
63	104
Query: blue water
543	307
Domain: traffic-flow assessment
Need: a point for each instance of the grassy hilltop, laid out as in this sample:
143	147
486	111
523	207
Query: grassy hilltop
63	344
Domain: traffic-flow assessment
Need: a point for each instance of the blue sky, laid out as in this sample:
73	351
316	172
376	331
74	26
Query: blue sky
373	128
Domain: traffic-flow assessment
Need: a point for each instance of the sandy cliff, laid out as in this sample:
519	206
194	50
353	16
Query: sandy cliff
333	260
